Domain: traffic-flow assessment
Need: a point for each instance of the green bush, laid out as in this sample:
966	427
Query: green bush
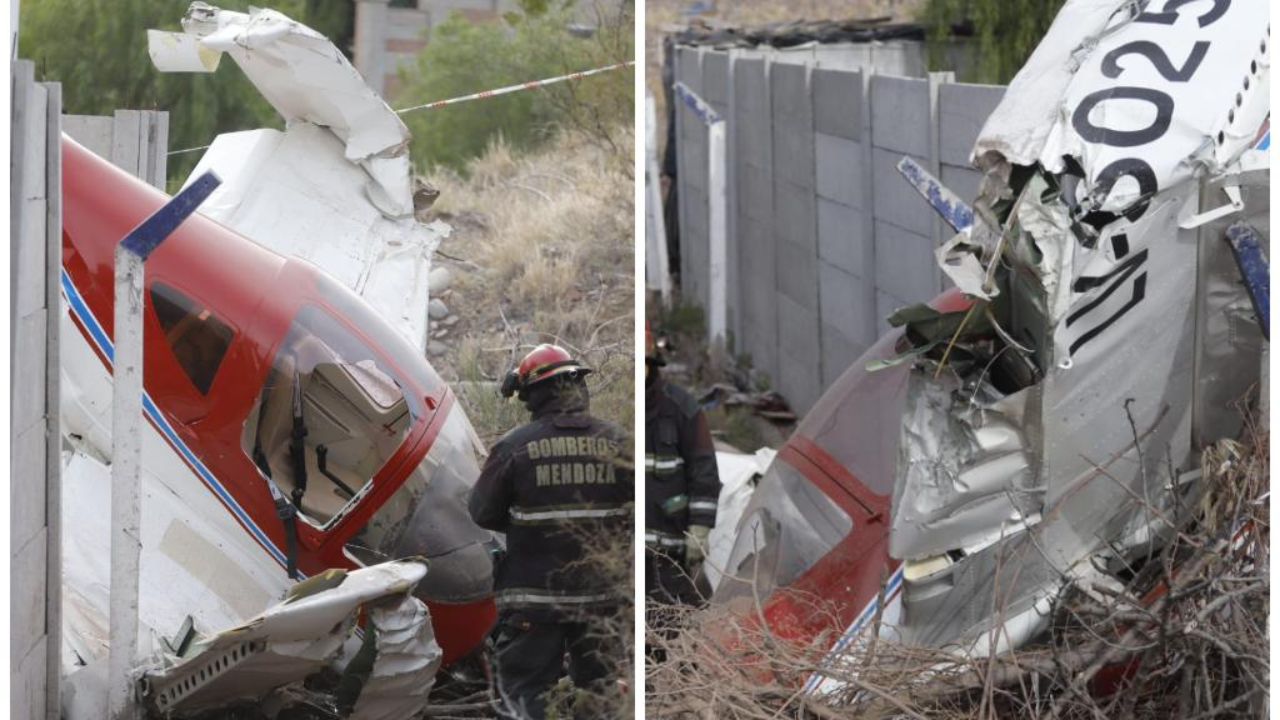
1005	33
462	58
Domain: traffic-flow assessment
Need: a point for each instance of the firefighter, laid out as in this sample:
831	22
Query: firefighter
682	486
552	485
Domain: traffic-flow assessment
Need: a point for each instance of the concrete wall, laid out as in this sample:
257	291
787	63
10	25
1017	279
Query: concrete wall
136	141
35	234
825	237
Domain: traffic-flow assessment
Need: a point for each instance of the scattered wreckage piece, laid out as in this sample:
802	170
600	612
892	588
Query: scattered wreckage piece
739	473
301	636
953	210
306	78
336	187
768	404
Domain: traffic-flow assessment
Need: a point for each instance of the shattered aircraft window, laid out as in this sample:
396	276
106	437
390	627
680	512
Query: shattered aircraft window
789	525
197	337
849	421
428	515
330	414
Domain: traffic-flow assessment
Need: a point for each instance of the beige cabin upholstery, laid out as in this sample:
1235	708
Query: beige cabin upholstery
355	410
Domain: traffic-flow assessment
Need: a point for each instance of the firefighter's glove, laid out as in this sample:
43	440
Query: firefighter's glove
695	543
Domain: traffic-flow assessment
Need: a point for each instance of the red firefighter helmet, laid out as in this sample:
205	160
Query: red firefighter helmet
543	362
653	347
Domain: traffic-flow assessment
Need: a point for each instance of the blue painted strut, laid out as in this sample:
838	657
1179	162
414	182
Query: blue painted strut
952	209
144	239
1247	246
700	107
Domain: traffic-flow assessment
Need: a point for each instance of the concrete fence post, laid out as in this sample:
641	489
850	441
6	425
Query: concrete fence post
870	319
656	261
936	81
734	261
717	204
126	474
53	394
126	437
35	463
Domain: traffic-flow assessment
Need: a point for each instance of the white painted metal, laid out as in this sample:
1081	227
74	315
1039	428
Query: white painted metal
340	170
126	470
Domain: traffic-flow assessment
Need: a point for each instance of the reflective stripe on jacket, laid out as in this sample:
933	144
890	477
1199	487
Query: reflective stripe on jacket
560	487
682	484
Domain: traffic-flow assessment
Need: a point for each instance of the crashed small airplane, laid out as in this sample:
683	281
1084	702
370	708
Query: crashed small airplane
295	430
1047	413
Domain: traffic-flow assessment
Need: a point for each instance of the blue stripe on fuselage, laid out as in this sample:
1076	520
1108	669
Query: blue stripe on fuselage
99	338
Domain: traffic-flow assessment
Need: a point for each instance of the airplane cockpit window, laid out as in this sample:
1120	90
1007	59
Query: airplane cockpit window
198	338
789	525
428	517
856	420
330	414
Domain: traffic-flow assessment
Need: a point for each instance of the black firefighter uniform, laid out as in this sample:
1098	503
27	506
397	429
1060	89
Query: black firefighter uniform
682	490
548	484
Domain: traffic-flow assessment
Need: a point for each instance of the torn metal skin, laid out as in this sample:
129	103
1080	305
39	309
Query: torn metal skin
302	635
340	172
1037	443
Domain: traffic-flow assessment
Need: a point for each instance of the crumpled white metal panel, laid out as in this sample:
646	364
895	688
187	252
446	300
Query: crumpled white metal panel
305	78
336	187
298	637
294	193
1140	102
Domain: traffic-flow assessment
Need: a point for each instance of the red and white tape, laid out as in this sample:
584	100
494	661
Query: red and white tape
516	88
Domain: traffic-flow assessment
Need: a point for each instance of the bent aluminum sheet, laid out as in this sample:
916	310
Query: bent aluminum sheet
336	187
301	635
305	78
406	665
1076	466
294	193
1148	100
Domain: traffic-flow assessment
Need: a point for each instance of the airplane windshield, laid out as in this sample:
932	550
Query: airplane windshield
428	517
330	415
856	419
789	525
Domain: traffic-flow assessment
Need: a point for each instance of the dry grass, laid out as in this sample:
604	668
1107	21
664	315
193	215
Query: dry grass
543	251
1185	638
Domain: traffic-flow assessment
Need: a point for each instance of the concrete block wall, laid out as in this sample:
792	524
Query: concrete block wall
136	141
825	238
750	157
35	233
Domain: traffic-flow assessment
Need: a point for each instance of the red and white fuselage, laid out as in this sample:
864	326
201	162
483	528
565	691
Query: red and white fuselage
233	332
